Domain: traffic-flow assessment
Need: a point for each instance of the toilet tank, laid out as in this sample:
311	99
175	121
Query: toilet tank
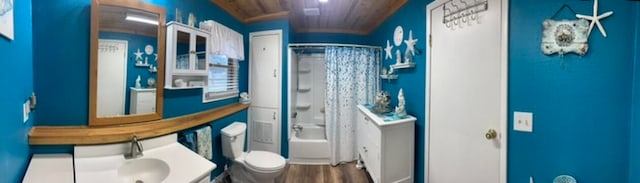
233	139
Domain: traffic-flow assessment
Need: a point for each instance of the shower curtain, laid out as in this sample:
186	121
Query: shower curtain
352	79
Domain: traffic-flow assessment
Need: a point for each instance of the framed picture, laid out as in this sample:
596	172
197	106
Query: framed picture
6	18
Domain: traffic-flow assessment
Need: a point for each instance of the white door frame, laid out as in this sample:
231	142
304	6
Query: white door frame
278	136
503	89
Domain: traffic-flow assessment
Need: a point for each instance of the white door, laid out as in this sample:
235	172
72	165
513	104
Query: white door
265	90
112	77
467	92
265	70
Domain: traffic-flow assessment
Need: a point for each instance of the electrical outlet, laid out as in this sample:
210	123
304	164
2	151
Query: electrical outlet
26	108
523	121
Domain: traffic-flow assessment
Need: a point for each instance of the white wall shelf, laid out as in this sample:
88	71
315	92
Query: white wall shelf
303	106
304	89
403	65
304	71
387	76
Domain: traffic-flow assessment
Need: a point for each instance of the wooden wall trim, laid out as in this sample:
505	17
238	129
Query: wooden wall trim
85	135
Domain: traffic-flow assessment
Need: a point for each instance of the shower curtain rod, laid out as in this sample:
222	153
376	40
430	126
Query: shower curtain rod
303	45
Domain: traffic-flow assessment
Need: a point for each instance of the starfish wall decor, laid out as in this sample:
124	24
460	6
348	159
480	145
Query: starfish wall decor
388	50
595	18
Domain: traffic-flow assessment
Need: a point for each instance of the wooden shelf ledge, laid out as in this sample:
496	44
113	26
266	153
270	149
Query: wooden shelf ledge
84	135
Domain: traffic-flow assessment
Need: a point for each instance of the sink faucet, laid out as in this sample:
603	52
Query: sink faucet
136	149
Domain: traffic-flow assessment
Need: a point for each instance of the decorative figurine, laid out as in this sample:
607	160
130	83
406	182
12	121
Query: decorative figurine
384	70
382	102
138	82
400	110
244	98
151	82
407	57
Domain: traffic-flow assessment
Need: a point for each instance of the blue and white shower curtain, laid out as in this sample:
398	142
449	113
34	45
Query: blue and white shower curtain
352	79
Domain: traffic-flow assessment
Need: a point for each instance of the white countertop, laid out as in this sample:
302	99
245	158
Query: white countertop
379	121
50	168
94	164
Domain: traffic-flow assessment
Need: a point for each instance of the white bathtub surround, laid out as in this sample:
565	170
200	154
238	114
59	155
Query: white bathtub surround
106	163
309	146
307	140
352	78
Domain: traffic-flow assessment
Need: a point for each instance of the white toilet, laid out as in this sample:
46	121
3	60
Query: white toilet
251	167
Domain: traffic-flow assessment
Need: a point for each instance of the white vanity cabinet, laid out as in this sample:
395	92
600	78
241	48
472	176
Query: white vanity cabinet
386	146
187	55
142	100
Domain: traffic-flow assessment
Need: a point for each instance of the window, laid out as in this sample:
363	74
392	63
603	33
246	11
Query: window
223	79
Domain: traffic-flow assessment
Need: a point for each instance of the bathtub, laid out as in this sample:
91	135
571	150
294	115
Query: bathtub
309	146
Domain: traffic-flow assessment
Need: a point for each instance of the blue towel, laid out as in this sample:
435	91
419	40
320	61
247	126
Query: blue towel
204	142
188	140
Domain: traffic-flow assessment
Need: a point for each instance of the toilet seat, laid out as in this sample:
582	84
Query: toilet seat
264	161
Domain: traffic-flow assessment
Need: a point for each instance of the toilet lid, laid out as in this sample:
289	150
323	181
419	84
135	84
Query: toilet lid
264	161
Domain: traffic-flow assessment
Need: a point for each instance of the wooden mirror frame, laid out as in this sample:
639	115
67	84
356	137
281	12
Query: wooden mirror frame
94	120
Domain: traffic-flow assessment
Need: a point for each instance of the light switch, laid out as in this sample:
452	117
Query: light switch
25	111
523	121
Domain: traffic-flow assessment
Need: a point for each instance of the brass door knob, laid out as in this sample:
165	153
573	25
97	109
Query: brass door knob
491	134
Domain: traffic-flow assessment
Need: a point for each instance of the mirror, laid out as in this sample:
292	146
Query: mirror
127	62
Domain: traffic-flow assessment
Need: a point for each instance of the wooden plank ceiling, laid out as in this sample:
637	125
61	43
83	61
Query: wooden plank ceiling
336	16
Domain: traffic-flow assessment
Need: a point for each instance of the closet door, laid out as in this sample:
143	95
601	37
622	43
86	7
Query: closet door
265	88
264	127
265	70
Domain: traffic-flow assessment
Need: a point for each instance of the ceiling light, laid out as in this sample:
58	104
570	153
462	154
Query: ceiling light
141	18
323	1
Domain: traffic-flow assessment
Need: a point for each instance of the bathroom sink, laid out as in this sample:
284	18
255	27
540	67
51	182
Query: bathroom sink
165	160
144	170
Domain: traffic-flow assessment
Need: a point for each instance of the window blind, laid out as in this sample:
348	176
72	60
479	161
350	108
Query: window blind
223	79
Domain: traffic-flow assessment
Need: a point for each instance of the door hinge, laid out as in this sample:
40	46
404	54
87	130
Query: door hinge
430	40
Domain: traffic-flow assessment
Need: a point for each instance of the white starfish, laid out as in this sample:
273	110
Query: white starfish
411	43
388	50
595	18
138	54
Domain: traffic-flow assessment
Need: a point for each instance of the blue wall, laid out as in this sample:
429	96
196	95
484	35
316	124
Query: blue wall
634	147
581	105
286	37
411	16
61	64
61	68
17	59
585	124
